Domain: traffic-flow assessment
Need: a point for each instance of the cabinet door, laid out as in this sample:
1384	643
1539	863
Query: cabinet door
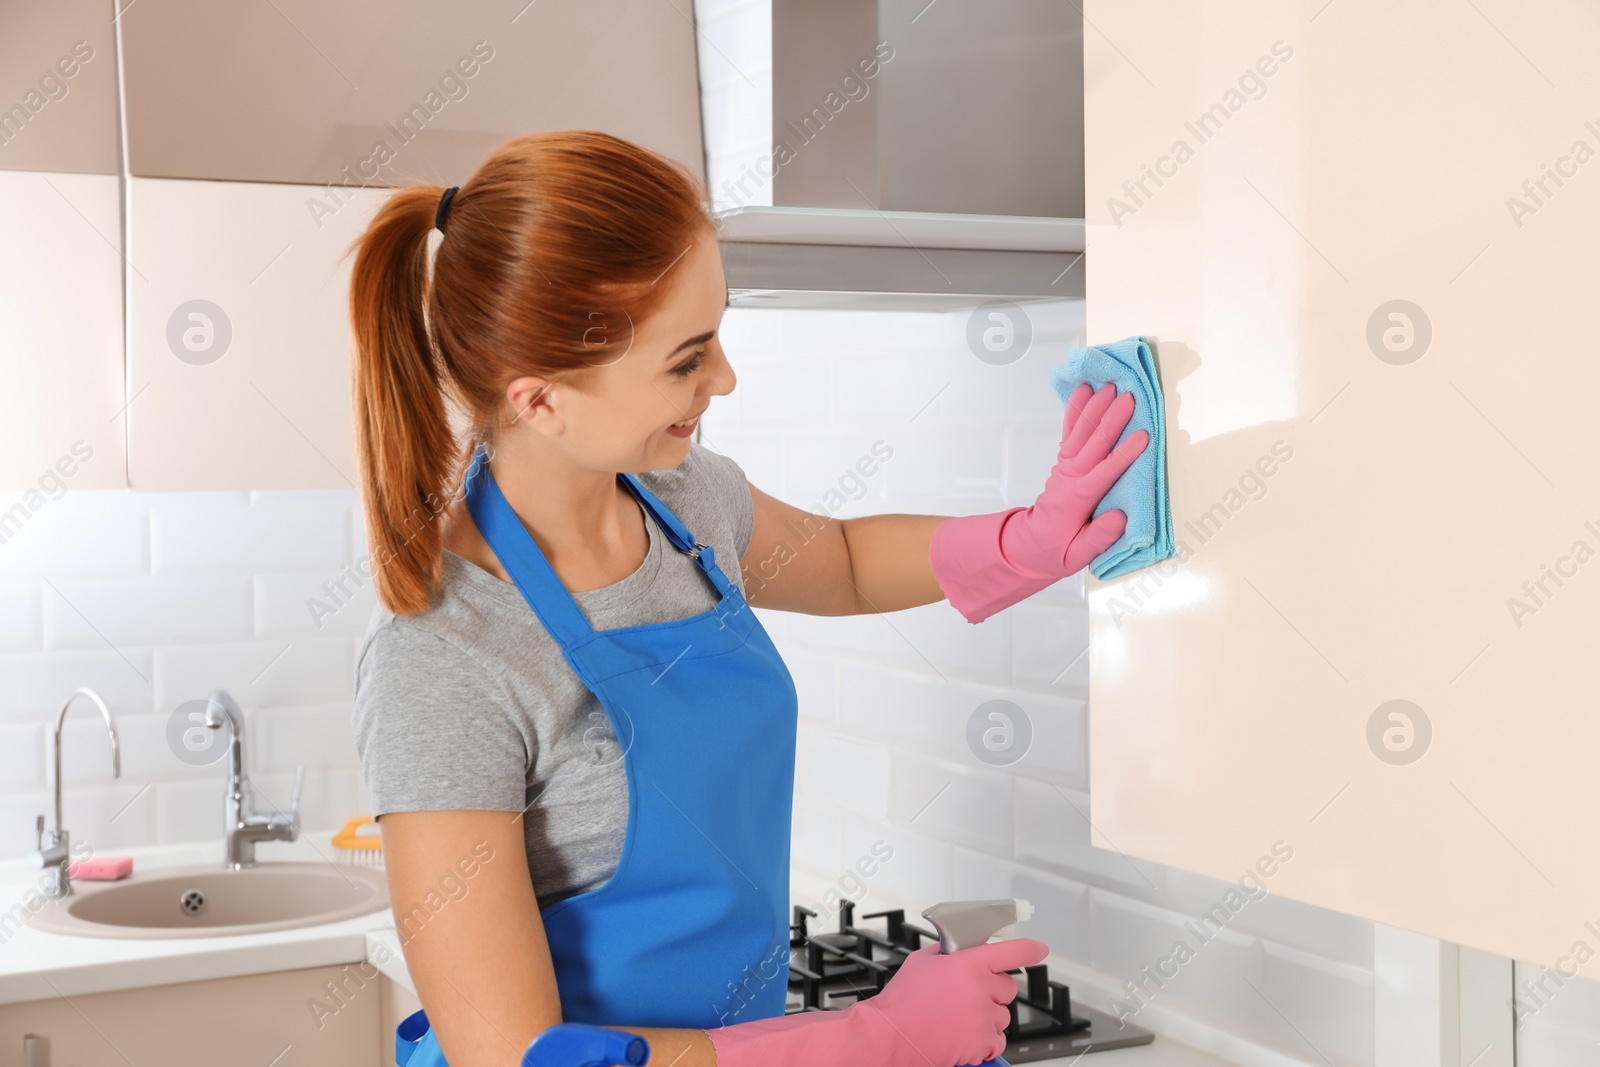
315	1017
1362	235
60	336
238	335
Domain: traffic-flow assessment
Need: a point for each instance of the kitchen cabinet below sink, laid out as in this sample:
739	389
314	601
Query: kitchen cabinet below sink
250	1019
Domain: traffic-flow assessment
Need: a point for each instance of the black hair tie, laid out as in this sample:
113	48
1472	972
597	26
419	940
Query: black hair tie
444	207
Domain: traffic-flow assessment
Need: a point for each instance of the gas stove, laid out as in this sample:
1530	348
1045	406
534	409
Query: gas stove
831	970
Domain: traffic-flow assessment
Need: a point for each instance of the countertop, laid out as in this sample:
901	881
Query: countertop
35	965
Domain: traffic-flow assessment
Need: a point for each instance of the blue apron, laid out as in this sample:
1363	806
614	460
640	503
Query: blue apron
692	929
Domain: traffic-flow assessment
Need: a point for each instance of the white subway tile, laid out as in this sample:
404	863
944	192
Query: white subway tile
323	603
36	684
815	841
759	455
141	611
908	709
918	870
891	389
20	628
214	531
936	637
23	751
954	803
1331	935
866	636
1139	943
257	673
965	462
1061	907
1560	1017
838	473
147	752
112	816
1053	832
1050	645
86	747
839	771
190	811
86	532
772	394
736	42
816	681
17	814
319	736
332	797
1057	748
1328	1004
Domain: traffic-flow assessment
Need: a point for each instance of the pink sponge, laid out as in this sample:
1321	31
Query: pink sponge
101	869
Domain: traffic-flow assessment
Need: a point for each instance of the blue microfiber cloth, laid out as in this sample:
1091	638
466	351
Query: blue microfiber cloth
1141	492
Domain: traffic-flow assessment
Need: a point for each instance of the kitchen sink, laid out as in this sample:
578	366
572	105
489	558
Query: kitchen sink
212	902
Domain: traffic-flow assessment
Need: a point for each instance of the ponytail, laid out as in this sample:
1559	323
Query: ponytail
553	233
407	450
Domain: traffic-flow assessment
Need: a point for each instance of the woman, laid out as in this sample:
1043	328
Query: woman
578	739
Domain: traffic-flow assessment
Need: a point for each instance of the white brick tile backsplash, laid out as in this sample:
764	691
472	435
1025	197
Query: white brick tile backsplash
935	637
1331	935
836	472
816	840
190	811
1050	645
20	628
1061	906
230	531
86	532
851	774
816	682
920	872
322	603
1221	977
34	685
759	454
1328	1003
257	673
112	815
1560	1017
23	752
144	611
866	636
146	753
1058	749
319	736
1053	832
17	814
947	462
911	710
952	802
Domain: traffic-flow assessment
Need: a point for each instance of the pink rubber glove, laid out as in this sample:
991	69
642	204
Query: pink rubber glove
936	1011
986	563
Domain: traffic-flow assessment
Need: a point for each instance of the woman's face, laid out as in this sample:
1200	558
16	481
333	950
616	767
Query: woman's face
637	408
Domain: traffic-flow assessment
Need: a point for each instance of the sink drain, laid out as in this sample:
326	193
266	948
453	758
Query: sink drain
193	902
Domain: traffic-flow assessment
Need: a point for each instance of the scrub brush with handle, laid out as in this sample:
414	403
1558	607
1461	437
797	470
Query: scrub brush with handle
359	842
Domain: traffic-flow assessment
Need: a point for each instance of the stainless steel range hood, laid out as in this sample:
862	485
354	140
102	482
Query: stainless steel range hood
923	157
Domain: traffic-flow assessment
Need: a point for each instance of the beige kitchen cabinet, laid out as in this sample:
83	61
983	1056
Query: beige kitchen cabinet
238	341
1362	237
315	1017
61	399
398	92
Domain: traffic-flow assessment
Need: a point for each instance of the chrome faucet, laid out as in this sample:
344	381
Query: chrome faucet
243	826
55	848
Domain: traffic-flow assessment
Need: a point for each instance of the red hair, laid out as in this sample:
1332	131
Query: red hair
555	236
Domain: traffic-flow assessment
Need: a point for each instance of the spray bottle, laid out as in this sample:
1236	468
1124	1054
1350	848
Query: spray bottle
582	1045
963	923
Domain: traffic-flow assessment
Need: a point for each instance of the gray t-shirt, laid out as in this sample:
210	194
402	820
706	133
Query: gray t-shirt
471	704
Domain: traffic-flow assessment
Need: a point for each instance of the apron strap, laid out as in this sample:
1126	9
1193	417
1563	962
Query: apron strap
408	1035
532	573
